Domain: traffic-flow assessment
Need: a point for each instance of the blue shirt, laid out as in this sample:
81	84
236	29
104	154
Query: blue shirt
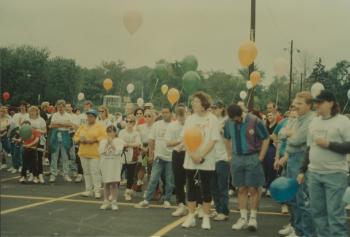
246	137
282	142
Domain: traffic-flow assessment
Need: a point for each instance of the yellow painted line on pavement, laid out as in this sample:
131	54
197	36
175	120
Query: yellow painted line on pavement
169	227
38	204
8	179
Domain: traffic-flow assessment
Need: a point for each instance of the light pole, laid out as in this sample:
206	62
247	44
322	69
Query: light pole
290	71
252	38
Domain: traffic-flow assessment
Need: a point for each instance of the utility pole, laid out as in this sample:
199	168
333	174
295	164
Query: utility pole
301	82
290	73
252	38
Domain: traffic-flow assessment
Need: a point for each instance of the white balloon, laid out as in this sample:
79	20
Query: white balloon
280	67
243	95
81	96
139	102
130	88
316	89
249	85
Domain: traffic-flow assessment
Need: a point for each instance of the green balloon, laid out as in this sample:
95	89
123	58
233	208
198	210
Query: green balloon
189	63
161	70
191	81
25	132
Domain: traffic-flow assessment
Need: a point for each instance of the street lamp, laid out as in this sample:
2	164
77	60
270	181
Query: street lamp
290	70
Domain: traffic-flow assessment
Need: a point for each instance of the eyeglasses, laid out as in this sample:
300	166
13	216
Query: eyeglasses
139	113
129	121
148	116
101	111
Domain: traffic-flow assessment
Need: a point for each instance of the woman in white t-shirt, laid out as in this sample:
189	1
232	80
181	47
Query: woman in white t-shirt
200	164
131	153
39	124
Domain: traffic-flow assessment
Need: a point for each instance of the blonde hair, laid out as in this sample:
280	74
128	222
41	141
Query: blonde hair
44	105
102	107
306	95
34	108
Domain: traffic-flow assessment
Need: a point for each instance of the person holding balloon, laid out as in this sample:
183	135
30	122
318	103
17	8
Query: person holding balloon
200	134
327	166
295	154
247	141
30	138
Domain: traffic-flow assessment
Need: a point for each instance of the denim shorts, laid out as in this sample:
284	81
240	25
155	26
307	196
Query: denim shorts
247	171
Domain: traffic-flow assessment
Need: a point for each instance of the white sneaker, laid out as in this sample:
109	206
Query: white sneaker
10	169
268	194
30	178
286	230
220	217
213	214
200	212
79	178
114	206
206	223
240	224
252	224
22	179
293	234
166	204
41	179
105	205
189	222
3	166
67	178
86	194
20	169
181	210
123	182
98	195
128	194
284	209
142	204
13	171
36	180
52	179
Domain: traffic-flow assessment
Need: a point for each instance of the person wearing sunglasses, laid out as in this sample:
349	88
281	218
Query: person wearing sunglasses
103	117
131	153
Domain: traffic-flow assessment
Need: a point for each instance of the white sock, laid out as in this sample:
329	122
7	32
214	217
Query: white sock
253	213
244	213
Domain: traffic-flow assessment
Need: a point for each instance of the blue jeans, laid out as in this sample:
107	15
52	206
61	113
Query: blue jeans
219	186
64	160
327	206
17	155
300	204
158	167
73	159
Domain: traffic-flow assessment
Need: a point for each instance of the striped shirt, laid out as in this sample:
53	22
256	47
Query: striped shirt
246	137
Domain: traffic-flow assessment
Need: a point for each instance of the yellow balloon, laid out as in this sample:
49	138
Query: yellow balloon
108	83
255	77
132	21
164	89
247	53
173	96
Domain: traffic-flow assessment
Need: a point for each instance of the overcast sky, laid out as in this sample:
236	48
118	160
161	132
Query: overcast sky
92	30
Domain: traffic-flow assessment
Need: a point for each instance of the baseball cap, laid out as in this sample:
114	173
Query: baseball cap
325	95
92	112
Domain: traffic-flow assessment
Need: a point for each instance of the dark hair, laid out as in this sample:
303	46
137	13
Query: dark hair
111	128
204	98
180	111
335	109
138	109
234	110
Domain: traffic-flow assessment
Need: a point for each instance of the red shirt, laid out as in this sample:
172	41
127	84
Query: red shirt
141	121
35	134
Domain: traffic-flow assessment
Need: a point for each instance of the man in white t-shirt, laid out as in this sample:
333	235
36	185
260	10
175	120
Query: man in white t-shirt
159	151
60	140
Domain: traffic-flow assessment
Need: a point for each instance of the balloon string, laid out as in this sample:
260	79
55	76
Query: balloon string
346	105
154	88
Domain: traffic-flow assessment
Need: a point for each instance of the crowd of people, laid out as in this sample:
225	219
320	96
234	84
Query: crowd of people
240	150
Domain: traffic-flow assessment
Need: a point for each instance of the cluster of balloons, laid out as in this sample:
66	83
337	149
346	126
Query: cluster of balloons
191	81
193	138
6	96
189	63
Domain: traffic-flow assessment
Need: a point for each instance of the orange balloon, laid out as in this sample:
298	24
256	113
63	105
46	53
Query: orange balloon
247	53
255	77
132	21
173	95
108	83
193	138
